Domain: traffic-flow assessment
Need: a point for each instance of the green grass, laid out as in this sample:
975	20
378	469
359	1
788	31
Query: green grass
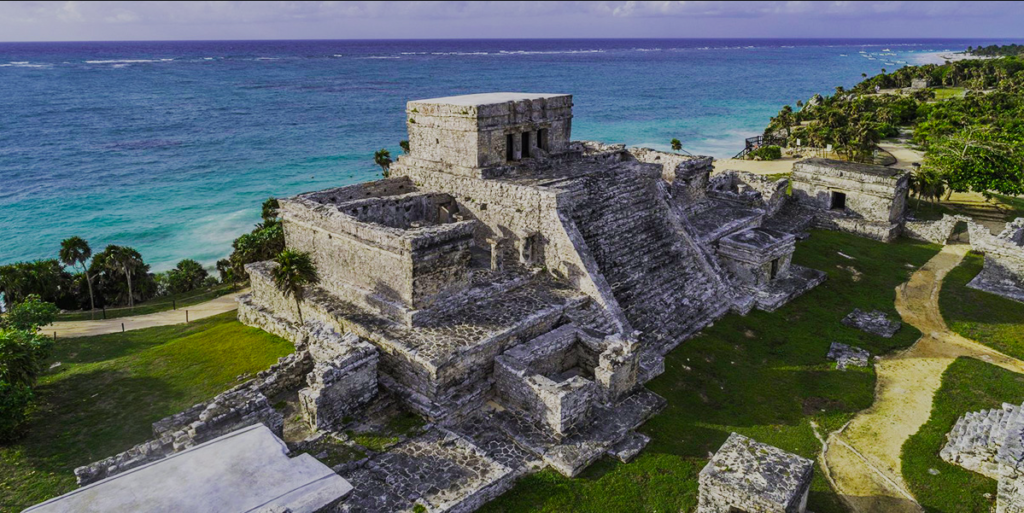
109	389
157	304
987	318
967	385
946	93
763	375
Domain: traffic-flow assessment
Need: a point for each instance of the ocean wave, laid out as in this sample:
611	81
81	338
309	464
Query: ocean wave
128	61
381	57
24	64
546	52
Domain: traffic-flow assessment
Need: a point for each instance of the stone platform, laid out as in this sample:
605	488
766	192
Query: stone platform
247	470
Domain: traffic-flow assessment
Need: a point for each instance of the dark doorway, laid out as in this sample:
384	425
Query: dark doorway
959	234
838	201
510	147
526	145
775	269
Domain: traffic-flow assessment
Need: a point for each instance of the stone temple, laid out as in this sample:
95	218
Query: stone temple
510	286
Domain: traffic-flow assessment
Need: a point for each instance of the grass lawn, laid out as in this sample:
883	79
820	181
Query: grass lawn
109	389
987	318
946	93
157	304
763	375
967	385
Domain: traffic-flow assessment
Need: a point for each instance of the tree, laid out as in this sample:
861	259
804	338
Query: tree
187	276
46	278
979	160
404	145
124	260
676	145
29	315
227	274
294	271
268	211
75	251
382	158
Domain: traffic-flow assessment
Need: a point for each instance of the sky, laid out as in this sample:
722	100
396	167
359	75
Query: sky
119	21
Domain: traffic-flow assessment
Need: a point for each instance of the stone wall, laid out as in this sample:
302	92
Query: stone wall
745	475
405	266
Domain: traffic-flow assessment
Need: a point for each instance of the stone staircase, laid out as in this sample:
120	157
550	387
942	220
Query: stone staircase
987	441
655	274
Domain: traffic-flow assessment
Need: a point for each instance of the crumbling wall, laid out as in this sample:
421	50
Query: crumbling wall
1003	272
343	378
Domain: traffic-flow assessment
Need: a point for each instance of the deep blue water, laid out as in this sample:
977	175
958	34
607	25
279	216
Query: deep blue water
170	146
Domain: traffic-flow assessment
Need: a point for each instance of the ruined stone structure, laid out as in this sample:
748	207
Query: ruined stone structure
991	443
745	475
515	289
859	198
1003	273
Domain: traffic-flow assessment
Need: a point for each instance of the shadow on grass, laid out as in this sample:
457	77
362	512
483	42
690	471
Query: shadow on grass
83	417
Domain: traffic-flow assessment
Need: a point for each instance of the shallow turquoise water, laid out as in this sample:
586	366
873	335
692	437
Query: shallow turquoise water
169	147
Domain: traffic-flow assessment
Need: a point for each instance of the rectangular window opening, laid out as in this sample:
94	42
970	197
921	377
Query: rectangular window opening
838	201
510	147
526	145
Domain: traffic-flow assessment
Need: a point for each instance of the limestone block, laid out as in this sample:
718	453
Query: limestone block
746	475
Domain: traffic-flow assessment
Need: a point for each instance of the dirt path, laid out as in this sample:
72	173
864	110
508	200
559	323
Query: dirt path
864	457
102	327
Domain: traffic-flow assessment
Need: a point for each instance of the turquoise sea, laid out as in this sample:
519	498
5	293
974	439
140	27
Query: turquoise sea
169	147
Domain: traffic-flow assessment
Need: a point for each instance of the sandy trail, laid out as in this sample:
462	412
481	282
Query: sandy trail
166	318
864	456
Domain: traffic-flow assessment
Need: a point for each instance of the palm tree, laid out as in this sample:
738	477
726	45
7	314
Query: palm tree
124	260
294	271
676	145
382	158
75	252
404	145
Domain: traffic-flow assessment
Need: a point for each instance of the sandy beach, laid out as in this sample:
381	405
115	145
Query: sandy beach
942	57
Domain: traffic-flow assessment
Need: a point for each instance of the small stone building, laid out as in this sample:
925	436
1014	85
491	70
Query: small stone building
920	83
752	477
859	198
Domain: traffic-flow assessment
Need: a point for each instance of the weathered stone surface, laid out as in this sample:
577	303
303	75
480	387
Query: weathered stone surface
745	475
859	198
845	355
247	470
440	470
991	443
344	378
629	447
874	322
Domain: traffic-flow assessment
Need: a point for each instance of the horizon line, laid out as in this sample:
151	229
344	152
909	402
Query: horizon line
518	39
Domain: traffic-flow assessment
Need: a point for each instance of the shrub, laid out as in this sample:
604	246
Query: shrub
767	153
14	403
29	314
22	356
